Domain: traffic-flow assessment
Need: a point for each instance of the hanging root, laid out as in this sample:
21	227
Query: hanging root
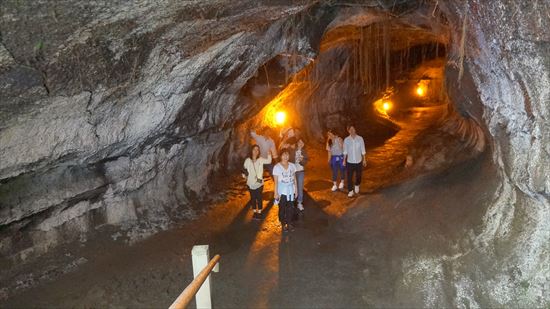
462	49
435	8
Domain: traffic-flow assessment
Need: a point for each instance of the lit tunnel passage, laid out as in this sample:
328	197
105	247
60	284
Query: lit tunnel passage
387	77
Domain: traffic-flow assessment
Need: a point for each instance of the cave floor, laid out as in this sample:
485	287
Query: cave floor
260	267
343	253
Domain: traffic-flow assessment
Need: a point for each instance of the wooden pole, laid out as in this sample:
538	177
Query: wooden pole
187	295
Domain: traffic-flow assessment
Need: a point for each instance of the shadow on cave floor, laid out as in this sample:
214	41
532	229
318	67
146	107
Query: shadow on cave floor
344	253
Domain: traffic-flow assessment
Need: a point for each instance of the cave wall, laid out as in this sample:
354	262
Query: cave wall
338	86
505	88
116	114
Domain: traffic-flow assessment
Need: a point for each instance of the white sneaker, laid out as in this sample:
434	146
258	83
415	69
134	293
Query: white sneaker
350	194
356	190
300	206
334	188
341	186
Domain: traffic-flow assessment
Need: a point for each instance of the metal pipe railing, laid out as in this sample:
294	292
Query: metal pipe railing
187	295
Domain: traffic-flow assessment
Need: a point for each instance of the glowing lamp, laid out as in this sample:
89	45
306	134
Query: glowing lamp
420	91
280	118
386	106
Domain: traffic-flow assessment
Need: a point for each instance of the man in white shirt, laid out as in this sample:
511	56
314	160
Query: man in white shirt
267	146
354	159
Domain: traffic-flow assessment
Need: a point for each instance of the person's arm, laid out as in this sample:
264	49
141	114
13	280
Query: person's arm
305	157
328	151
254	136
273	149
283	140
295	184
268	160
276	187
345	153
244	172
363	152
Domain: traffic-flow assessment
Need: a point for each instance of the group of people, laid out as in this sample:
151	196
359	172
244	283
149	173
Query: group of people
288	174
346	157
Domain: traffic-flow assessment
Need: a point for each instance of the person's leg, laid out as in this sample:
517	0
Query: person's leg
252	202
334	169
282	201
289	211
342	170
259	200
359	171
349	171
300	184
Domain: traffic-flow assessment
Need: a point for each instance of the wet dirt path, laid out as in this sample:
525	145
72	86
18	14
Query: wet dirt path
387	162
317	265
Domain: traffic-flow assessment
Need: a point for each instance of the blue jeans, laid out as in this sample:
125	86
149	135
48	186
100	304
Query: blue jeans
300	184
337	164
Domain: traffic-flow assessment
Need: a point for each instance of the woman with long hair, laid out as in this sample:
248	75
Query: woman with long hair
253	171
335	149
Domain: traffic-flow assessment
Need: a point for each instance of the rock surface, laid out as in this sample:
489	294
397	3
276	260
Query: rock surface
122	111
118	114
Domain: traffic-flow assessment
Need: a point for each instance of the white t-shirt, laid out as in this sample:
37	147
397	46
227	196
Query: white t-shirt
285	179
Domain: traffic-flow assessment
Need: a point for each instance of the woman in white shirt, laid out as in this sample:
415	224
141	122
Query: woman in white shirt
253	173
284	174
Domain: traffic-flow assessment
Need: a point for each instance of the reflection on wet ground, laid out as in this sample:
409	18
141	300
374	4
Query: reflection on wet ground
387	162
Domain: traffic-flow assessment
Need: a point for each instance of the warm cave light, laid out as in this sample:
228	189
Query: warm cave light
386	106
280	117
420	91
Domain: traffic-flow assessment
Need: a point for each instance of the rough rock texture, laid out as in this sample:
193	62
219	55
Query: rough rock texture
121	111
350	71
507	71
116	113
